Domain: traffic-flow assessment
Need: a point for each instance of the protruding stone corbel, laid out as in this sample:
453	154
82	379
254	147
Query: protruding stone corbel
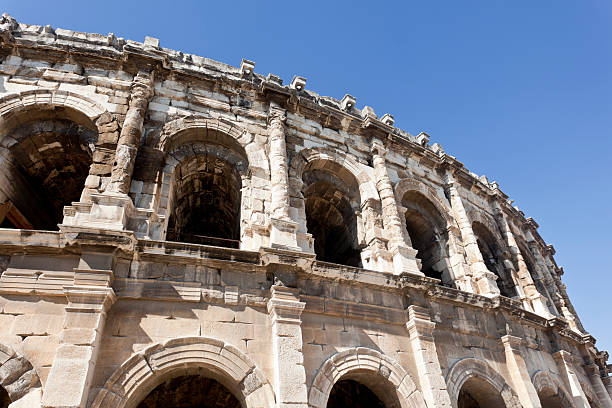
423	139
348	102
387	119
247	67
298	83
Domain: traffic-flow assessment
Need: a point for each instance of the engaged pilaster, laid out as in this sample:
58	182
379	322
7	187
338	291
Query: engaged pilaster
533	299
598	385
518	372
420	328
485	280
285	310
131	131
404	257
564	361
89	299
283	230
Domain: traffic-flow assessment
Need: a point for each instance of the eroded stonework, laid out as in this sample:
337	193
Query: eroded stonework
175	231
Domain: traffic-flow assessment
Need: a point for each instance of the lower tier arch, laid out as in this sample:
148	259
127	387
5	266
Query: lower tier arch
187	356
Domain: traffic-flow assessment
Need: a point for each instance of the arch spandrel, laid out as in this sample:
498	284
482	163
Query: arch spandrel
365	362
470	367
142	372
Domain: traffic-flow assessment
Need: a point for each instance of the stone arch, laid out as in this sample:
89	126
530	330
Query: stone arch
19	377
45	99
476	215
549	386
334	200
410	184
367	363
335	161
141	373
431	230
221	144
468	368
173	130
47	144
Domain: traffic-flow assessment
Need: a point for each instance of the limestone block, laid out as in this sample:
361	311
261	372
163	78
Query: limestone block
37	325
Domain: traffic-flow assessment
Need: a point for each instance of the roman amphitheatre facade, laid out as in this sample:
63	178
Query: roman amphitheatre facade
177	232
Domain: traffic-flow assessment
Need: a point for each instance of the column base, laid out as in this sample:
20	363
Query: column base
404	260
283	234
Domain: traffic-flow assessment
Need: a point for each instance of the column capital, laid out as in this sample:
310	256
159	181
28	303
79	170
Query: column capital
512	342
98	299
377	147
419	322
276	116
284	305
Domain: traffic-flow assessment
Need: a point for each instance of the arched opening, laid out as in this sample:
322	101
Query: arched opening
205	205
493	258
550	399
428	234
331	205
45	157
350	393
479	393
190	391
5	400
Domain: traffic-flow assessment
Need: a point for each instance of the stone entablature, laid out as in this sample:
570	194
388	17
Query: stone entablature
277	242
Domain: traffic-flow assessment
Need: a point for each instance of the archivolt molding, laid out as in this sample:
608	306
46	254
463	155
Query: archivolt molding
470	367
44	99
477	215
339	163
548	384
410	184
18	376
174	128
141	373
371	362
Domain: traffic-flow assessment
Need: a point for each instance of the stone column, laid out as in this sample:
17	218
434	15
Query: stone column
521	382
607	382
564	361
547	280
283	230
598	385
285	310
403	255
485	280
131	131
533	299
420	329
89	299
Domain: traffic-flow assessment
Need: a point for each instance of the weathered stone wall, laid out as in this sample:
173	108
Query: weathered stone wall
440	294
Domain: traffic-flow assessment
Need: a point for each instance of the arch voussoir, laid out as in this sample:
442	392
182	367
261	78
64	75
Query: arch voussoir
363	360
143	371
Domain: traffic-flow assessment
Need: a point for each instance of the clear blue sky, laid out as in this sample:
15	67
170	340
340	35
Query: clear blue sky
518	90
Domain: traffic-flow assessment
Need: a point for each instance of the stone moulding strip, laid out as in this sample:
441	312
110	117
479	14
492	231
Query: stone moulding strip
362	359
142	372
469	367
182	250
